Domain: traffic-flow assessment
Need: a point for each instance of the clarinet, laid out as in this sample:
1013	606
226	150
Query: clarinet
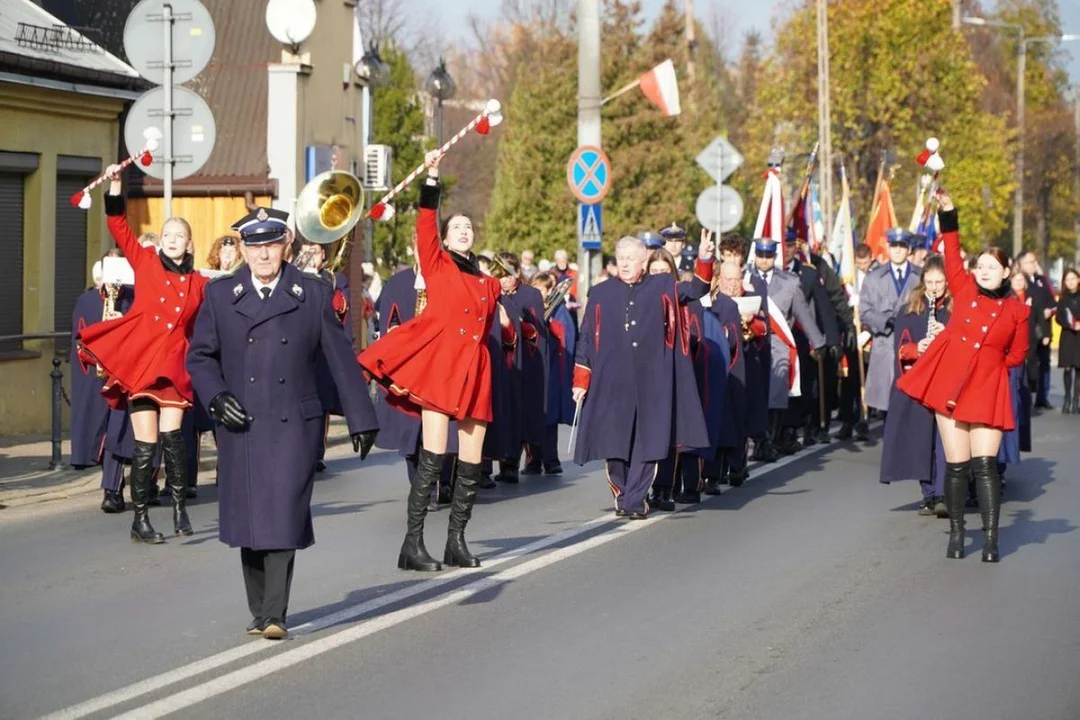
931	318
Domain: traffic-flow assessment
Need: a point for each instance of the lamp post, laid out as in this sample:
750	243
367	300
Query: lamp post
1021	70
441	87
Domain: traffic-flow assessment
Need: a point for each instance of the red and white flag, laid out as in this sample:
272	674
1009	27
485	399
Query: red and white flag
662	89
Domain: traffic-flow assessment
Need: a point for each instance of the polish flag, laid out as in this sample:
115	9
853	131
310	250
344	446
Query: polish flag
662	89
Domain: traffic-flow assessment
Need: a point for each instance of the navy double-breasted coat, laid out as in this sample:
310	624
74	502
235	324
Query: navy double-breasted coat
265	352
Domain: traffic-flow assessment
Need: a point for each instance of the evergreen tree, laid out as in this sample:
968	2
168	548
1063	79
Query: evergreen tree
398	122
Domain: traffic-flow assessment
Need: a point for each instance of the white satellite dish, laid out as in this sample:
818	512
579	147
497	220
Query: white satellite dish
291	22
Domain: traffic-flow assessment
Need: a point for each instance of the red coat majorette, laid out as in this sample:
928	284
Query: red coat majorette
439	360
142	353
965	371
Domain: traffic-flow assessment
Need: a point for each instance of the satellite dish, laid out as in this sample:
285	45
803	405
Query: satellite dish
290	21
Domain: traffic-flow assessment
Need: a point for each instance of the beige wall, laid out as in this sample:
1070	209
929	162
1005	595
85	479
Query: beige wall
48	123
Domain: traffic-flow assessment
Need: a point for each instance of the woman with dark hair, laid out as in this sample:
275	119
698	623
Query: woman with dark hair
964	378
912	447
141	355
438	366
224	254
1068	317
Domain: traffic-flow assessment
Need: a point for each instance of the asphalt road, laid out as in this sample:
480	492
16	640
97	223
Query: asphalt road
811	592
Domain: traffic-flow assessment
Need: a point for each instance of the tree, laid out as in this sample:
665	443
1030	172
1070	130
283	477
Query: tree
398	121
899	75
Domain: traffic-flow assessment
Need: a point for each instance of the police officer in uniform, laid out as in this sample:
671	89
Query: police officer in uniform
252	360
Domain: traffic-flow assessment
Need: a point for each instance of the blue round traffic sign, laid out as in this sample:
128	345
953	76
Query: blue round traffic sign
589	174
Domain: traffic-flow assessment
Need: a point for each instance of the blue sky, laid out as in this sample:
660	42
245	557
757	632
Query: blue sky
745	16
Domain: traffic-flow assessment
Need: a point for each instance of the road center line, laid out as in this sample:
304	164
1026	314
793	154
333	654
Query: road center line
287	658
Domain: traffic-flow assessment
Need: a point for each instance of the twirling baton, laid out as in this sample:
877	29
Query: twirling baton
482	124
82	200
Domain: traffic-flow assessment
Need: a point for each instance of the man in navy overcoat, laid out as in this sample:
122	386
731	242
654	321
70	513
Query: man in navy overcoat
252	359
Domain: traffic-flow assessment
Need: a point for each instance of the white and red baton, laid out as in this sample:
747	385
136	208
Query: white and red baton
82	200
482	124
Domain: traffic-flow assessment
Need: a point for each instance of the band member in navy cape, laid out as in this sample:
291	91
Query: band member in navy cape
562	342
525	306
398	430
1018	440
251	358
328	392
634	408
912	447
730	464
672	469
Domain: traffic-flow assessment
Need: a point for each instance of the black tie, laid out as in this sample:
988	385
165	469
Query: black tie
265	292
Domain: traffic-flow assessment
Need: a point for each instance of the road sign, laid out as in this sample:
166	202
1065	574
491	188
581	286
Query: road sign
719	208
589	174
193	39
590	226
194	131
720	159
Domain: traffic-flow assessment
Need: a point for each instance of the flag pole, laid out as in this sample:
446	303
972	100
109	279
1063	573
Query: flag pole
621	91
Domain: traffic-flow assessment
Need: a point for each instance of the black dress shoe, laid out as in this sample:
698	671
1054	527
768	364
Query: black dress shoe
191	492
846	432
690	497
508	475
737	477
113	502
712	487
809	437
486	482
940	509
926	507
553	469
620	513
862	431
530	469
257	626
822	436
320	465
661	499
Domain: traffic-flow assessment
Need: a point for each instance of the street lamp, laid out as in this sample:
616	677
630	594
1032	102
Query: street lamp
1021	70
441	87
372	68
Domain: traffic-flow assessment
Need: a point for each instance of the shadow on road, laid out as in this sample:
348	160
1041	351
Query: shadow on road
1023	530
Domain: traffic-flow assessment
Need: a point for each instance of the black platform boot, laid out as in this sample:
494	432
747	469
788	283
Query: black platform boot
956	481
174	454
457	552
988	488
141	471
414	556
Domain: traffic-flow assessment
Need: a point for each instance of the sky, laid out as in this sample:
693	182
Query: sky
744	16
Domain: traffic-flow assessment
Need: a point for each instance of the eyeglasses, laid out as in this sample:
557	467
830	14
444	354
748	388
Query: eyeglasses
228	242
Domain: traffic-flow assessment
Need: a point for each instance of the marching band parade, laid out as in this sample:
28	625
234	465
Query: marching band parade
471	371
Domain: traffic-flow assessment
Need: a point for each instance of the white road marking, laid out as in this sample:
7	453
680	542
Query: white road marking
290	657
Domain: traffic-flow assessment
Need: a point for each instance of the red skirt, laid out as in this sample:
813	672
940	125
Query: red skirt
161	390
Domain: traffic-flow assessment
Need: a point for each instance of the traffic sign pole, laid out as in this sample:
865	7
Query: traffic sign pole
167	131
588	19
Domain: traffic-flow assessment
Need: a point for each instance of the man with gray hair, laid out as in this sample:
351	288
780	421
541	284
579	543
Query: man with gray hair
634	378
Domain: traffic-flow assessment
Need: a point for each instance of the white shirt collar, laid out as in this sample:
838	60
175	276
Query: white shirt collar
259	285
899	268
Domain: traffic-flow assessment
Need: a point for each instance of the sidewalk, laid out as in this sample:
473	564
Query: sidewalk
25	477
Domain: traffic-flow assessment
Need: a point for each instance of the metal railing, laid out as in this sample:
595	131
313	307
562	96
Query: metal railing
59	395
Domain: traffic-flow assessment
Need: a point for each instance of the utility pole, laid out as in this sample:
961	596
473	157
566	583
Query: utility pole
1076	172
956	15
1018	197
588	16
824	117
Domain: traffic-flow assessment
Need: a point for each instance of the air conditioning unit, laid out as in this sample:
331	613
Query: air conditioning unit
378	165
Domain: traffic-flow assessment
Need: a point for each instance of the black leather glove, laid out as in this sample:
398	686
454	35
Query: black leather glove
362	442
229	412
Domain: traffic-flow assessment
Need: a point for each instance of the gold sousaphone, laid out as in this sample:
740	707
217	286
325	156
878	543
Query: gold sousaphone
327	210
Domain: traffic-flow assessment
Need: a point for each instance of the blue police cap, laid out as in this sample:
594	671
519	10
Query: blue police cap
899	236
764	246
262	225
791	235
652	240
674	232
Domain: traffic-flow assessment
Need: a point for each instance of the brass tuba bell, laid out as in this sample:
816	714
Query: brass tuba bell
329	207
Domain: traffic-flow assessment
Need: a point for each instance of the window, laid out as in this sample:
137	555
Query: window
11	269
71	276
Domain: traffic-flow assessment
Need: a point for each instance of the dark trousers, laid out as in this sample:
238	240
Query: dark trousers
1042	353
851	391
630	479
112	471
680	472
268	580
546	455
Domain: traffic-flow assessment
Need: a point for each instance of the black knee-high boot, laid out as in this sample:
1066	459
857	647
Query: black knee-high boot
988	489
414	556
142	471
1067	406
468	480
174	453
956	481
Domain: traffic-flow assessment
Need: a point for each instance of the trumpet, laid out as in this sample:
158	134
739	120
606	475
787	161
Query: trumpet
327	210
747	331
